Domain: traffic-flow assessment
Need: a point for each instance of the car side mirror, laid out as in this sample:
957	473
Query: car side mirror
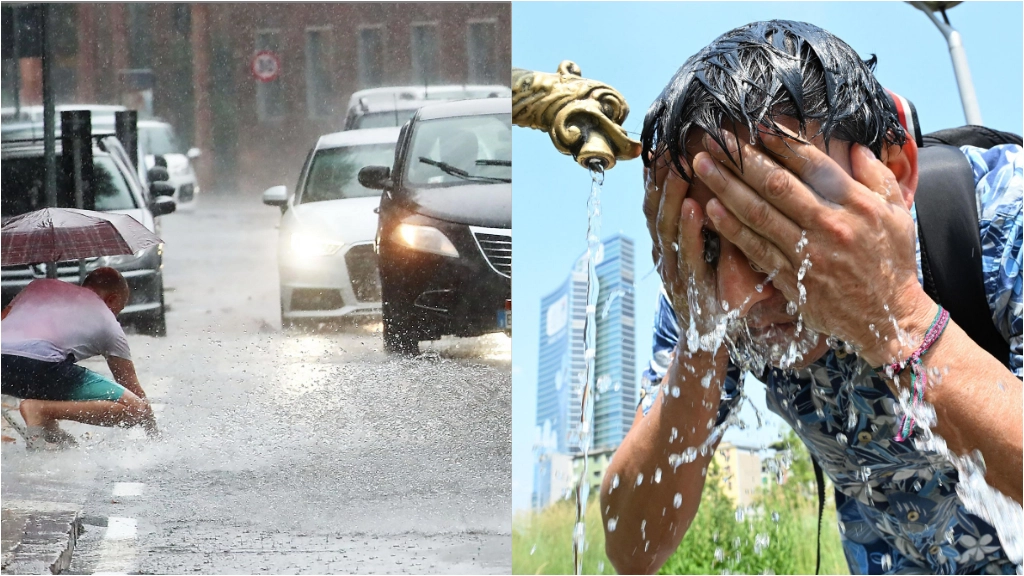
276	196
193	153
159	189
158	174
162	206
375	177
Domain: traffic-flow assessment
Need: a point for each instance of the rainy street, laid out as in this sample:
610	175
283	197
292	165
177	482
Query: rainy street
295	451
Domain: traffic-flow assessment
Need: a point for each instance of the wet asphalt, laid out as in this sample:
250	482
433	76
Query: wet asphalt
307	450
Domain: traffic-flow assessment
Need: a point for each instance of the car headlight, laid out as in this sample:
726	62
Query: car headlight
308	245
425	239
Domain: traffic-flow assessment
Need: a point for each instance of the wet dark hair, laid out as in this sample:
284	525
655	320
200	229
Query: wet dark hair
757	73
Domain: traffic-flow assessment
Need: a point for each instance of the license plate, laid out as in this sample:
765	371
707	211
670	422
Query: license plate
505	316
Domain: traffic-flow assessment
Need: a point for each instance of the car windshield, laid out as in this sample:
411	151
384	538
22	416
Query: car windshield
334	173
388	119
461	150
22	183
158	140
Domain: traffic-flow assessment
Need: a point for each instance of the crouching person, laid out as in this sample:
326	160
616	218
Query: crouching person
46	329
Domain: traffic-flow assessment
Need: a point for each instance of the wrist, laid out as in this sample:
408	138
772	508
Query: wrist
914	318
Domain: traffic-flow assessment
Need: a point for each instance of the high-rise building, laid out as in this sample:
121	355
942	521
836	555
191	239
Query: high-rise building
562	367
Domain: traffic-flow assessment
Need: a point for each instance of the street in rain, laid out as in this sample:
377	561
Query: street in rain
300	426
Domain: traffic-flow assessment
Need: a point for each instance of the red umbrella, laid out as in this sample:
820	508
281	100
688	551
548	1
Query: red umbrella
59	234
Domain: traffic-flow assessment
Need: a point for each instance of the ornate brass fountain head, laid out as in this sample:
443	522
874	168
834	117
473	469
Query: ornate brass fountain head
583	117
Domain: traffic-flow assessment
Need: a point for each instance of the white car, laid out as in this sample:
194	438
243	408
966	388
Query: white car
440	92
326	260
157	138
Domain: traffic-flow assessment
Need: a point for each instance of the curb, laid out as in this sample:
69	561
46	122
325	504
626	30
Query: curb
39	537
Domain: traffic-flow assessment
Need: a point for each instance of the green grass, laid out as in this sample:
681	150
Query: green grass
542	540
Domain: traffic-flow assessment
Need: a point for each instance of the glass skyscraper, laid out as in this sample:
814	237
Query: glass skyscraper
562	368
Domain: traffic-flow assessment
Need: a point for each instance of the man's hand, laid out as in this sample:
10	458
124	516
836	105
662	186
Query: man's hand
676	224
843	246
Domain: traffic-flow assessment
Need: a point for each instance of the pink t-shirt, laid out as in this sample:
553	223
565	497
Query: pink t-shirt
50	319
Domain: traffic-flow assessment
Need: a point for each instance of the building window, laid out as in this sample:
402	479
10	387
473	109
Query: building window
424	54
140	35
370	46
318	80
480	52
269	95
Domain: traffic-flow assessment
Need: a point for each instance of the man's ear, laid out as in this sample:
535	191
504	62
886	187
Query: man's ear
902	161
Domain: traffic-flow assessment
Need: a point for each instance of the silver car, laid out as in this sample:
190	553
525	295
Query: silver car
326	260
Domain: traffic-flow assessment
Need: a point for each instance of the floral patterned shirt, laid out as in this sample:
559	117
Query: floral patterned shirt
897	506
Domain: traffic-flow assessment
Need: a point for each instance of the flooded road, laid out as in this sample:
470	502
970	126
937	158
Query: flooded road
285	451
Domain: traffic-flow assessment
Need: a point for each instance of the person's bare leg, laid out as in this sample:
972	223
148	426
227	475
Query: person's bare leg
129	410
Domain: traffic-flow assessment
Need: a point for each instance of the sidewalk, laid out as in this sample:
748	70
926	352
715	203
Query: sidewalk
38	537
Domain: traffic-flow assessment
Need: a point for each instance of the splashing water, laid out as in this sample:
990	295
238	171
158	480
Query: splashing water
590	350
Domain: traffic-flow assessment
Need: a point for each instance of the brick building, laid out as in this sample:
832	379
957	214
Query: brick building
195	60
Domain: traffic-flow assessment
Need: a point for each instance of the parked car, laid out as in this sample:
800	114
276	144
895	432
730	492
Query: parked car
117	189
394	105
444	236
381	114
156	139
326	261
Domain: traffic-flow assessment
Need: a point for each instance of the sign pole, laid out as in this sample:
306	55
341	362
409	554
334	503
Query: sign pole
49	121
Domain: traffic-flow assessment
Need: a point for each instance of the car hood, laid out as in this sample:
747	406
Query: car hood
473	204
350	220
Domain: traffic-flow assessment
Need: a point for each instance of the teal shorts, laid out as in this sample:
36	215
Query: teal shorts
65	381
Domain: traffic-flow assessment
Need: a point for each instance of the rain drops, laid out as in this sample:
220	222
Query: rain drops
677	501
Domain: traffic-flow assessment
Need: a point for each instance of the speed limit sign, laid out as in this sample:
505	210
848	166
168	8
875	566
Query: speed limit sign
265	66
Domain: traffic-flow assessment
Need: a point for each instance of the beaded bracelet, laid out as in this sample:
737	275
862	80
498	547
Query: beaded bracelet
919	376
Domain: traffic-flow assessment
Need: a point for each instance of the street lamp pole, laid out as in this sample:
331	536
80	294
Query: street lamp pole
956	51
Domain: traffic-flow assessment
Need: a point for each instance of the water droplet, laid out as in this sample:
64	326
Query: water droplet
639	478
886	562
841	439
675	391
532	550
739	514
719	555
775	517
612	523
657	475
678	500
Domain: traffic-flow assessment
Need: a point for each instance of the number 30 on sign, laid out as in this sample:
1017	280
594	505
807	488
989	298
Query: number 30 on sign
266	66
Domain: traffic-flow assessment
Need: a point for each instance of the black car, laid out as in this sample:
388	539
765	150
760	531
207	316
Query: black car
117	189
444	235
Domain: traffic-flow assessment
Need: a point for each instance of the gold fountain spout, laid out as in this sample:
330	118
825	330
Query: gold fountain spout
583	117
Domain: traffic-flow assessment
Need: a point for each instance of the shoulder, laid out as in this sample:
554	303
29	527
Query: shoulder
998	176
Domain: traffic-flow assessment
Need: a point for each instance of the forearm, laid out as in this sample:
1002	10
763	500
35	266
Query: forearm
977	406
648	522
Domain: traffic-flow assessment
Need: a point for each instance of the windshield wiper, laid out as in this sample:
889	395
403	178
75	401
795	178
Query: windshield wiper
460	173
493	162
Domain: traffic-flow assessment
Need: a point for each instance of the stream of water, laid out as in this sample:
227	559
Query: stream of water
590	351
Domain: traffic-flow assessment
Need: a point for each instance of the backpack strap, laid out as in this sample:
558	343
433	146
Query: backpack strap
819	478
947	219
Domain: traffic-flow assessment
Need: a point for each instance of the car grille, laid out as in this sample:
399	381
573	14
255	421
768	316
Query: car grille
306	299
361	262
185	192
498	250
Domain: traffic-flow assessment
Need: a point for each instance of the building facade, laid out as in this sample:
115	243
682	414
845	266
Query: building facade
196	62
562	366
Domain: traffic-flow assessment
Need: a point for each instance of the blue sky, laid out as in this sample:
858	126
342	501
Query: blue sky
637	47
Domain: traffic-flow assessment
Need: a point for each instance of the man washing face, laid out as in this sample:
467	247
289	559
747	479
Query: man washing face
780	192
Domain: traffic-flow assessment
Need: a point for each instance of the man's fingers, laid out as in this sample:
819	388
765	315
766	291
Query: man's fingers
691	240
673	191
759	251
747	205
811	165
873	174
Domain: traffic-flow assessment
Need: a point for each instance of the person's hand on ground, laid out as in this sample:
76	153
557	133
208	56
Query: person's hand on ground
843	246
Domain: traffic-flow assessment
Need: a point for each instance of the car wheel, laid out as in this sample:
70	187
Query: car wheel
154	323
399	336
